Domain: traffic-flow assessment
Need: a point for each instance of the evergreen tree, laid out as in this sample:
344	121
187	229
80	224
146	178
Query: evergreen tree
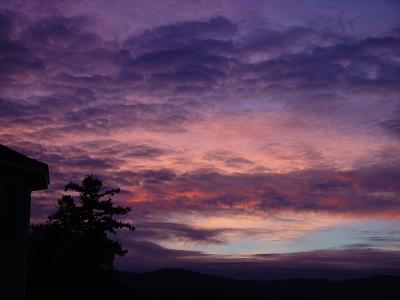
77	237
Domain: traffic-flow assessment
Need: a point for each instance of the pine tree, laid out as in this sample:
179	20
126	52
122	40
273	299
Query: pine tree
78	236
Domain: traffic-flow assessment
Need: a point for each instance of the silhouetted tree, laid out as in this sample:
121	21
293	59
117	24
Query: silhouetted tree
76	239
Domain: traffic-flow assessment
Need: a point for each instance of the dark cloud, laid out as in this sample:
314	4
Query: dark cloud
370	190
134	151
229	159
146	255
345	62
271	43
156	176
383	239
150	250
60	31
6	23
183	57
177	69
15	56
163	117
10	109
157	231
184	35
393	125
59	116
193	59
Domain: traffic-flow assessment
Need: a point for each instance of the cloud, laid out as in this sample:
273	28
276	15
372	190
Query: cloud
359	192
229	159
370	190
15	56
142	254
183	35
61	31
208	62
96	86
158	231
393	125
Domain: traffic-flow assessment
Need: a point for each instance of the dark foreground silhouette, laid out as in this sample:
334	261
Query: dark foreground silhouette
77	238
183	284
19	176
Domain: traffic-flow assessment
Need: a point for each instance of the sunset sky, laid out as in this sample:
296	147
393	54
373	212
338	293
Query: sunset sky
252	138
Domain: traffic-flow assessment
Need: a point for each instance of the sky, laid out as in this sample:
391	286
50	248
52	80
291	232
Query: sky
252	139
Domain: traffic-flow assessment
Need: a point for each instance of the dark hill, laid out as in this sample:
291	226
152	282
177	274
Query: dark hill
183	284
178	284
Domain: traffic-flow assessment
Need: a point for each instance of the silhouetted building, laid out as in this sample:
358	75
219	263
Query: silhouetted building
19	175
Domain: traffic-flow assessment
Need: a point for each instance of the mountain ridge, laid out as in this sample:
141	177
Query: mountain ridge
174	283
